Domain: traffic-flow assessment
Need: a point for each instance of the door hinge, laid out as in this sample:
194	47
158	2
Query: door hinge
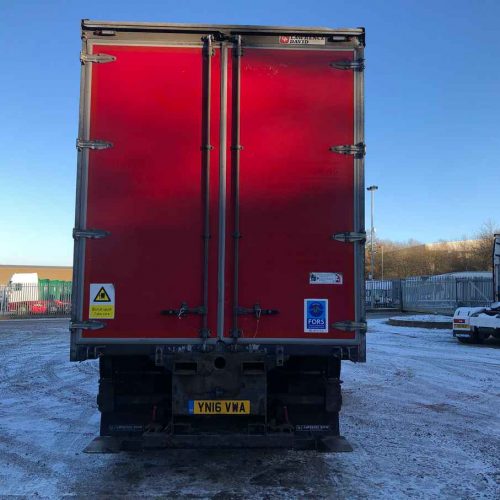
356	65
94	234
349	237
96	144
96	58
184	310
357	150
350	326
86	325
256	311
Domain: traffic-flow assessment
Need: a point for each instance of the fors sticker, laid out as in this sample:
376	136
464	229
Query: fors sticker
316	315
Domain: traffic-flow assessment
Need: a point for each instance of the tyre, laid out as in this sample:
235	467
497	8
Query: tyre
479	338
475	338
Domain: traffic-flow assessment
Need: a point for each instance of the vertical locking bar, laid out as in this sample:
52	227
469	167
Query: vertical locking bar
222	192
206	148
236	149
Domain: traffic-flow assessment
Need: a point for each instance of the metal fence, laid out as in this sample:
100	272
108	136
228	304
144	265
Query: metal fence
438	294
445	293
45	299
383	294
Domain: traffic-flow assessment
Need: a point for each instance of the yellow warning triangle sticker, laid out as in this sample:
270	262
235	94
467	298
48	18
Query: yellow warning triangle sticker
102	296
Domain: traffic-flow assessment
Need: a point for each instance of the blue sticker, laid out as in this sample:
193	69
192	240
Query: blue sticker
316	315
191	407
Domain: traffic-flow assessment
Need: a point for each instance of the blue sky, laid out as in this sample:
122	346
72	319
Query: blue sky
432	107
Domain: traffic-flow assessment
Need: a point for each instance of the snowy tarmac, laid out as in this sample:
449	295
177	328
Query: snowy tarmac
423	416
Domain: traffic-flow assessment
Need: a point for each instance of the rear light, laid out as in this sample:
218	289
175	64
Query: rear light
459	321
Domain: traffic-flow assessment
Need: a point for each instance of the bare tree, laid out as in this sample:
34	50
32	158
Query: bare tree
484	239
412	258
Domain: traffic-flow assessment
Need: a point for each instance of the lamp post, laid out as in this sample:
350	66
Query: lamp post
372	190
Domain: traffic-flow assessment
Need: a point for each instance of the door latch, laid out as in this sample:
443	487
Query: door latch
256	311
184	310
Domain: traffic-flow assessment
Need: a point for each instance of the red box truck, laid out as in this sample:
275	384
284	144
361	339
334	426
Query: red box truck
219	235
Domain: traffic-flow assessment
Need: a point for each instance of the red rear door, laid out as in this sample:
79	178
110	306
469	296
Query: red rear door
294	194
221	193
148	189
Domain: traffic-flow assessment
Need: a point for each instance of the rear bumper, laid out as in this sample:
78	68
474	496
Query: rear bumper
462	334
153	440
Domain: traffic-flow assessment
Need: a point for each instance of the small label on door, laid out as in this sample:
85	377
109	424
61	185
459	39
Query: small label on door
316	315
326	279
102	301
302	40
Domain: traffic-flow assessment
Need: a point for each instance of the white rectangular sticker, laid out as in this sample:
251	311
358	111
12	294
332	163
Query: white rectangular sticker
302	40
316	315
326	279
102	301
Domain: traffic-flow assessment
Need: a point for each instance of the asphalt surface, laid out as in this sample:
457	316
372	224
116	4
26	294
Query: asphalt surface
421	414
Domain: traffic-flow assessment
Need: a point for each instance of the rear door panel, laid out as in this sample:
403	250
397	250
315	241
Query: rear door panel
147	189
294	192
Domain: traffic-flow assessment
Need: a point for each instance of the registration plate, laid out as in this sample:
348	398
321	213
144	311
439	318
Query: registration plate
218	407
456	326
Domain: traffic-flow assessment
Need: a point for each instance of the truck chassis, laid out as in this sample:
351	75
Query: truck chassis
144	404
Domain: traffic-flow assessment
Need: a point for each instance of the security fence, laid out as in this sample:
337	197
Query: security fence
438	294
47	298
383	294
445	293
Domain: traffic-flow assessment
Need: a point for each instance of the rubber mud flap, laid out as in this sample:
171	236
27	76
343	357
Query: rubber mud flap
334	444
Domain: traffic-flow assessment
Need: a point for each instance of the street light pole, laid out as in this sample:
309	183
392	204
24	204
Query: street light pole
372	190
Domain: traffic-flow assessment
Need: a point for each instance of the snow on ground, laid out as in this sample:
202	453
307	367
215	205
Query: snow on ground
422	415
431	318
